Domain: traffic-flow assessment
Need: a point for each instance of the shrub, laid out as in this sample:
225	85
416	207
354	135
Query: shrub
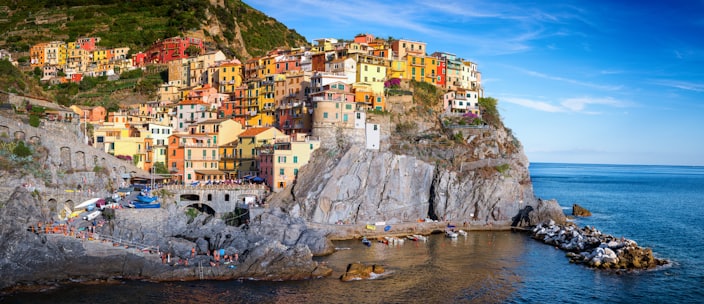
503	168
34	121
21	150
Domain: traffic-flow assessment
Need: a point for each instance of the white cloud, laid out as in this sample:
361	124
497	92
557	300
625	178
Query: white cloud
578	104
533	104
572	81
568	105
682	85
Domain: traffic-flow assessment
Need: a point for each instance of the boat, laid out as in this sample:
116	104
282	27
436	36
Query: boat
146	205
87	203
91	216
365	241
412	238
146	199
462	232
420	237
451	234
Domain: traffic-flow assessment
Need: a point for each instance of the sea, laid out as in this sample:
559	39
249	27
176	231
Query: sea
657	206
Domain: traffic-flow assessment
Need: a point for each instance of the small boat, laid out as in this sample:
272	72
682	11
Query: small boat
451	234
145	206
146	199
412	238
91	216
87	203
365	241
420	237
462	232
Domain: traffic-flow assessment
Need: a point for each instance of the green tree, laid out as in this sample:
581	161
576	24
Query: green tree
160	168
490	113
37	72
192	51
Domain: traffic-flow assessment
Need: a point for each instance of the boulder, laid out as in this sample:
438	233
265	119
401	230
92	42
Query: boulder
578	210
359	271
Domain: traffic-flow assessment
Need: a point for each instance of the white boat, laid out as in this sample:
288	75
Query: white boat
451	234
420	237
91	216
462	232
87	203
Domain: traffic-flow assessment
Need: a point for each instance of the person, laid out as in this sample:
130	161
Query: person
193	252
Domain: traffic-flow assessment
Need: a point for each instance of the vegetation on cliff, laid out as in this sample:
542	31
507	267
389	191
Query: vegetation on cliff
138	23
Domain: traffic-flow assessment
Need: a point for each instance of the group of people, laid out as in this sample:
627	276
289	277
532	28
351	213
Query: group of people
219	254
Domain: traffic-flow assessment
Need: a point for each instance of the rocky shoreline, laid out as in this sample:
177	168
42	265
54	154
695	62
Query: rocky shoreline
593	248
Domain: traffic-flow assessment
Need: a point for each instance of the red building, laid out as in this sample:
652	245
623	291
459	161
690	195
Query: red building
171	49
442	72
139	59
87	43
288	63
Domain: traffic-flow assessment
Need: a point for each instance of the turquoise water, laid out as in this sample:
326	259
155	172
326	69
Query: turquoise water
658	206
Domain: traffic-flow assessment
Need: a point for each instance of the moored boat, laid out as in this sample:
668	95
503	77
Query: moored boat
451	234
146	199
147	205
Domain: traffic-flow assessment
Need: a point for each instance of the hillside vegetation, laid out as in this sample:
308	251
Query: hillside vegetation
229	25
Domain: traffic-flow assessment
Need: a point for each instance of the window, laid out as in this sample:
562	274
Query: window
295	172
281	171
376	127
348	107
344	117
295	159
325	114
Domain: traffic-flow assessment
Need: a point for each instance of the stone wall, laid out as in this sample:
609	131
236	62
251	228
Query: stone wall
67	158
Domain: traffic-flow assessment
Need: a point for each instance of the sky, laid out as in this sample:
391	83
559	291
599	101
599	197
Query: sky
600	82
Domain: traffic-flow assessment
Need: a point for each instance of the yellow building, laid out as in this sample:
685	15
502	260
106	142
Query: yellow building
415	67
247	148
371	70
132	143
229	77
100	55
431	69
397	69
228	159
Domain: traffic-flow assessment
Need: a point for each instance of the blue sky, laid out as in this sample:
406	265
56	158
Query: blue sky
577	81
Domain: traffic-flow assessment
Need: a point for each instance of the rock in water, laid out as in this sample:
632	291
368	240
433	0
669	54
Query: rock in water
578	210
359	271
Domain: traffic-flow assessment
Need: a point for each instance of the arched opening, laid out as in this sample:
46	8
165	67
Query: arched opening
189	198
227	197
203	208
210	197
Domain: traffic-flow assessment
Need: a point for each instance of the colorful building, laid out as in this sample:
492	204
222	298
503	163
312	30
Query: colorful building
280	161
247	148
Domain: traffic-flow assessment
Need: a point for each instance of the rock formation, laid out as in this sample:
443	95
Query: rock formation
358	271
358	186
591	247
578	210
266	252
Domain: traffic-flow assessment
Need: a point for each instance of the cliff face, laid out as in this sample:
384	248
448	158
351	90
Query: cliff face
483	182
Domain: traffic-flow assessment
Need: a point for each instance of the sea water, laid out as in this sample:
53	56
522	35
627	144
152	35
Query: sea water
658	206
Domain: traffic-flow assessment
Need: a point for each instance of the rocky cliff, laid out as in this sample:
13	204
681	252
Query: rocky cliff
481	179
